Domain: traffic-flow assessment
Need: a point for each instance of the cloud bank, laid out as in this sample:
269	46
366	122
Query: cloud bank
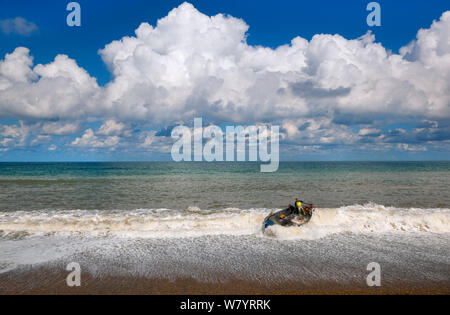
193	65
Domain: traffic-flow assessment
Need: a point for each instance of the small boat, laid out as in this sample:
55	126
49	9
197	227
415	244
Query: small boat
287	218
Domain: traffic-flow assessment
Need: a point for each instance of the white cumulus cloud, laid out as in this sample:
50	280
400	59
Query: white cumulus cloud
59	89
14	135
59	128
90	140
193	65
111	127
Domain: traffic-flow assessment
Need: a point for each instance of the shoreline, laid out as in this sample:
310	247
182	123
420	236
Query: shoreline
48	281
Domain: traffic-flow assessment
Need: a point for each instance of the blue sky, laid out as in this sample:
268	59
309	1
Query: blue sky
272	23
393	127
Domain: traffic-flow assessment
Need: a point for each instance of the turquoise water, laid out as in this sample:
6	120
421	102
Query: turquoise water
215	186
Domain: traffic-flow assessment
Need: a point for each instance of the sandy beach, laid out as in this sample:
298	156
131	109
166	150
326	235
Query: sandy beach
48	281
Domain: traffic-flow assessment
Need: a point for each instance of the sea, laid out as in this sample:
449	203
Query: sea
201	220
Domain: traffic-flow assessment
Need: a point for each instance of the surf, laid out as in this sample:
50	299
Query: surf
195	222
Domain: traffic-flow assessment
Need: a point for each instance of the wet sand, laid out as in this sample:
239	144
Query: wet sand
48	281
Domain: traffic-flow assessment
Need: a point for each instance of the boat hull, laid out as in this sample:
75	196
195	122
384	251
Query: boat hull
285	218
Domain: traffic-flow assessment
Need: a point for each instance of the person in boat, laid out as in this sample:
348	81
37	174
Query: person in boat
289	211
292	210
293	213
285	219
302	208
299	207
308	210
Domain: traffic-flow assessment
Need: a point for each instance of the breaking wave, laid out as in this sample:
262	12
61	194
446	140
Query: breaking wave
195	222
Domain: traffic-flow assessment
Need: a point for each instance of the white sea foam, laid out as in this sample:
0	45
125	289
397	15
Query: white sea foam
336	244
369	218
195	222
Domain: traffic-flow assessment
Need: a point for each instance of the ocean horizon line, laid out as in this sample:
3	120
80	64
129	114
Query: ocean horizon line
223	162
